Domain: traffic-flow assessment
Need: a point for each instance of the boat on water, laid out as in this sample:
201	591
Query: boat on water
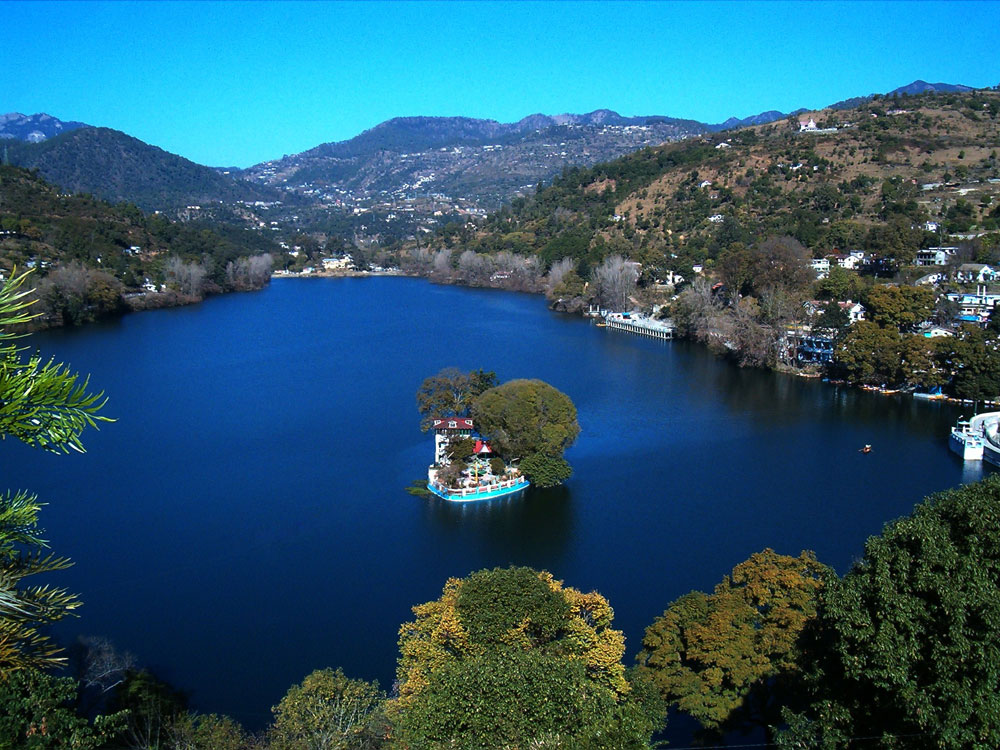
967	443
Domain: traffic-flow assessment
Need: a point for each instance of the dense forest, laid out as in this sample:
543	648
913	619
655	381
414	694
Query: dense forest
117	167
92	258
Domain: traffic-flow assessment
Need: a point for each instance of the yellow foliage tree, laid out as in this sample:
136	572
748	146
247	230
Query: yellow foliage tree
711	653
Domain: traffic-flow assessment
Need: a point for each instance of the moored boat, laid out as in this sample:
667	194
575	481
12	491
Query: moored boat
966	442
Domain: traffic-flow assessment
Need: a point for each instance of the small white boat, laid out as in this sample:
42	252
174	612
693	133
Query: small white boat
966	442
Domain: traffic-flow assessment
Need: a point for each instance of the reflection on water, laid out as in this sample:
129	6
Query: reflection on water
514	527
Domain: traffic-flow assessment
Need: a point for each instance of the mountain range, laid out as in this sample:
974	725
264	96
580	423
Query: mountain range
433	163
34	128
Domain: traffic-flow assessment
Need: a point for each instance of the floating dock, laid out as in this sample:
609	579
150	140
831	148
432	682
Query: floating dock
641	325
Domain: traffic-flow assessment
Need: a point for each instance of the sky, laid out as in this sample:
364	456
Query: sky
238	83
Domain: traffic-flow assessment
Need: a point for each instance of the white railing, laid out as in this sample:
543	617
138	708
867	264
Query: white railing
481	489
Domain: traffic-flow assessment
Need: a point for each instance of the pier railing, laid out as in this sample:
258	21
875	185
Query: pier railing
640	324
479	489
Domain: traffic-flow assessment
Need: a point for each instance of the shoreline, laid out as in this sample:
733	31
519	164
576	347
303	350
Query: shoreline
341	274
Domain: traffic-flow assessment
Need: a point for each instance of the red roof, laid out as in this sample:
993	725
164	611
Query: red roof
482	447
453	423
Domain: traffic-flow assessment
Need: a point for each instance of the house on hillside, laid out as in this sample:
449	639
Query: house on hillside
806	125
935	256
850	261
855	311
978	273
975	308
821	266
935	332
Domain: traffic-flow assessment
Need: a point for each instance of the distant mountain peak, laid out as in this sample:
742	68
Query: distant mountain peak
34	128
922	87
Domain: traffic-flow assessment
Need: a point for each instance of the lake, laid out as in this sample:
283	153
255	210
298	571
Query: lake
244	521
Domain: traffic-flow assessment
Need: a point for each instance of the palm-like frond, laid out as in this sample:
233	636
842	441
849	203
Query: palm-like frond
45	405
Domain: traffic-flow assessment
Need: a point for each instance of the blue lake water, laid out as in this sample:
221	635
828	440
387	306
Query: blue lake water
243	522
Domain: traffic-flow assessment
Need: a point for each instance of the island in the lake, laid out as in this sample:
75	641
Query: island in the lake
466	468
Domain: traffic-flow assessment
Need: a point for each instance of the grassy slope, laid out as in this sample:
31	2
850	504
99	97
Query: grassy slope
663	212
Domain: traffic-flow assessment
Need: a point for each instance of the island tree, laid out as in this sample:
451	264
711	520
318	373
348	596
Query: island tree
512	658
531	422
725	658
451	393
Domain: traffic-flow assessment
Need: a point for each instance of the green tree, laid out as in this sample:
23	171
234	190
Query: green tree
727	656
837	284
511	658
24	610
152	706
36	714
459	449
329	711
833	318
531	421
921	361
975	361
209	732
43	405
869	354
902	307
450	393
906	643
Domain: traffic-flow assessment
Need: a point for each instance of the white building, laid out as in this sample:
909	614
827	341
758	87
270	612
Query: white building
821	266
855	310
978	273
445	430
935	256
851	260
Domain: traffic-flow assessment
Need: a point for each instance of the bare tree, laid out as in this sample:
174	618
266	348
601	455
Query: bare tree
441	264
615	279
475	268
104	666
249	273
187	278
558	272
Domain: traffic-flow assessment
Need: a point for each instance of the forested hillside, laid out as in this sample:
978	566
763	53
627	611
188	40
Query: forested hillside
862	180
118	167
92	258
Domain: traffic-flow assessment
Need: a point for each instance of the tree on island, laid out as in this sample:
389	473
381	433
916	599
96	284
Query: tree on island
511	658
529	421
525	421
450	393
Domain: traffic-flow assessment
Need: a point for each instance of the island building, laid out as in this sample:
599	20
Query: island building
480	479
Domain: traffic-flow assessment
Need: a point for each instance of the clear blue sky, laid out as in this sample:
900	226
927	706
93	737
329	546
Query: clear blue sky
239	83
